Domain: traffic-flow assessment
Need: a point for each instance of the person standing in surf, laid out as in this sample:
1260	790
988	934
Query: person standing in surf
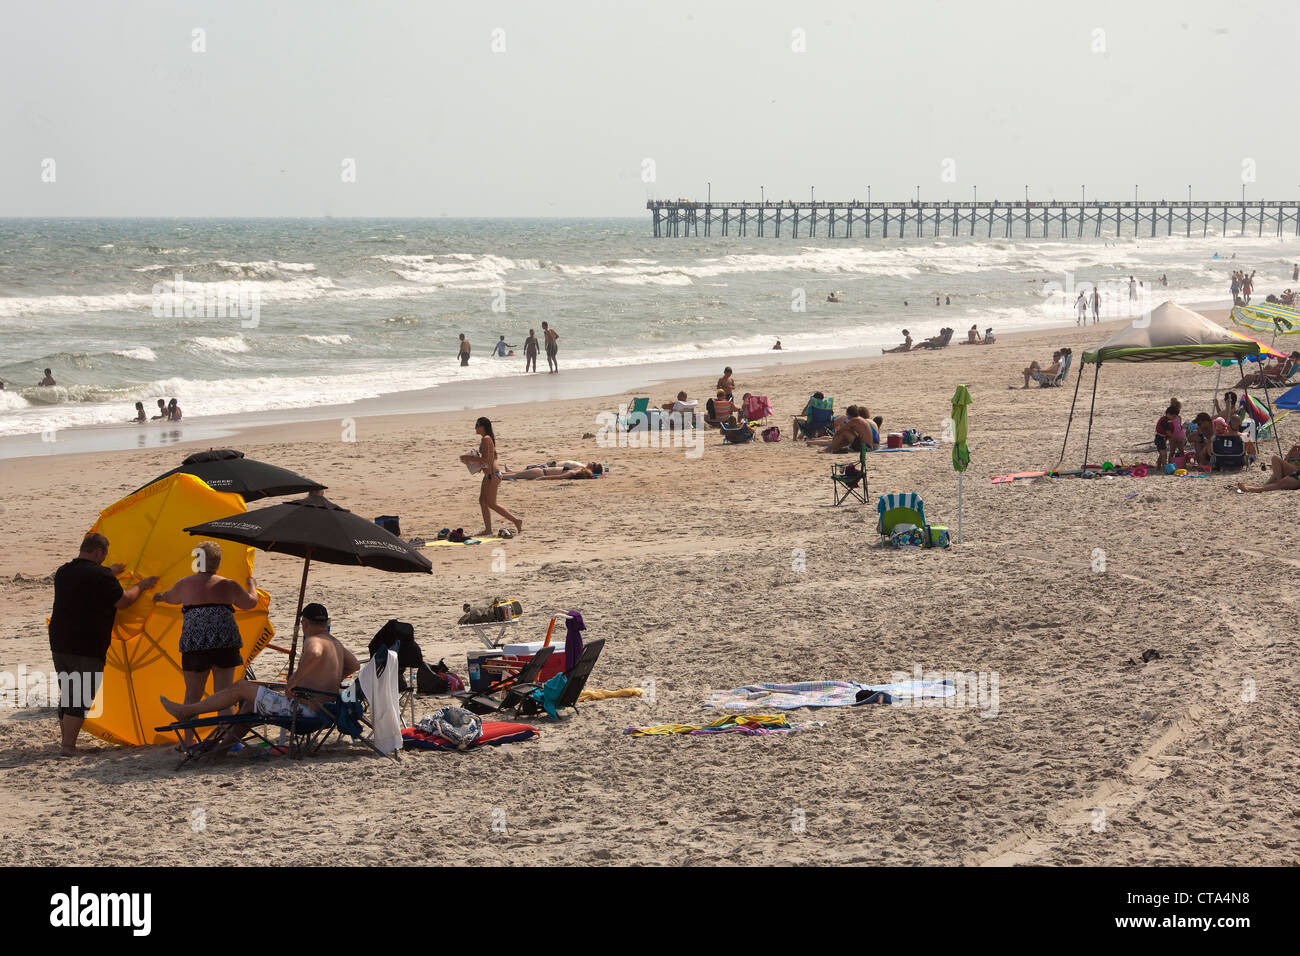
486	460
530	351
464	349
552	347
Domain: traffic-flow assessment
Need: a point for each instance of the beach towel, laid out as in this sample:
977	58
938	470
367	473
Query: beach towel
787	696
495	732
587	695
826	694
450	544
929	447
751	725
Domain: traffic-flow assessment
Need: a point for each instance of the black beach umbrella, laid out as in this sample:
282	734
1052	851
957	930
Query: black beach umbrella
226	469
315	528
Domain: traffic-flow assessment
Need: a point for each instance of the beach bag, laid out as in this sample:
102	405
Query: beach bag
453	724
390	523
936	536
437	679
772	434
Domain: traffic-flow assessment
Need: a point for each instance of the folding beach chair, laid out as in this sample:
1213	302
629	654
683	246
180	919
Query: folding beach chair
497	695
637	414
722	410
526	699
341	713
736	434
941	344
757	410
820	413
1061	376
898	508
1228	452
849	480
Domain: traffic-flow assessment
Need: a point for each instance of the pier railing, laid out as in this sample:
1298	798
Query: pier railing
1059	219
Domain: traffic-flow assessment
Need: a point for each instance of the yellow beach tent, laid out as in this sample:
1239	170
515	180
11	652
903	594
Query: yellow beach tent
144	659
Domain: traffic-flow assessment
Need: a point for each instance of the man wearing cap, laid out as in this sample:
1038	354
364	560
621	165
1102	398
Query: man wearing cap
87	597
323	665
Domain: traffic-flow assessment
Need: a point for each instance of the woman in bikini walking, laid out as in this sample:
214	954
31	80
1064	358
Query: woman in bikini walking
486	459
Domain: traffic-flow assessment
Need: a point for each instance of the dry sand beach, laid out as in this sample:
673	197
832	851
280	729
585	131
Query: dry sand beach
686	566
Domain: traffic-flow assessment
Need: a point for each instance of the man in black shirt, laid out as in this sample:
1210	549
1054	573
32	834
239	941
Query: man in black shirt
87	598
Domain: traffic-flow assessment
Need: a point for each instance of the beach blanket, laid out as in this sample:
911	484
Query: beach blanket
495	732
450	544
930	447
826	694
751	725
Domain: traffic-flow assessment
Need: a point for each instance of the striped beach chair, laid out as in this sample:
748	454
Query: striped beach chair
898	508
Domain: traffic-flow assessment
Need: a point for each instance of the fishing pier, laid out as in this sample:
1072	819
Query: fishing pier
1055	219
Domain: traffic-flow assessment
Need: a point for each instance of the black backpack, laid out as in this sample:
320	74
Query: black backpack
428	679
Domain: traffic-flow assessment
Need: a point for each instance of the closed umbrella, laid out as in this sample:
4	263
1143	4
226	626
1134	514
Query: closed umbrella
961	400
316	528
226	469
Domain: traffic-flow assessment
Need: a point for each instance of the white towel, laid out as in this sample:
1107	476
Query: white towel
381	692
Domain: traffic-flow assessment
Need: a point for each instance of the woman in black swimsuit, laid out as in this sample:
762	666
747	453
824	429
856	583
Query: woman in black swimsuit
486	459
210	639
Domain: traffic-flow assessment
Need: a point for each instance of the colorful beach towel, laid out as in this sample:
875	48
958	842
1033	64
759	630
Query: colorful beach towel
751	725
826	694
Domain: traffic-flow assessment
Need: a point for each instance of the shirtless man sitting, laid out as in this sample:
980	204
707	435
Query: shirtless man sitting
323	665
1040	374
856	433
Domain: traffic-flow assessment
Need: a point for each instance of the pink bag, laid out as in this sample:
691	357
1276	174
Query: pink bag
772	434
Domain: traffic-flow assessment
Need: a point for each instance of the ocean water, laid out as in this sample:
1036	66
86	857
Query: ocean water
234	316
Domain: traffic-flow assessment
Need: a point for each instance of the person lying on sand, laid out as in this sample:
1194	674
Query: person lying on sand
1040	374
1285	477
558	469
905	347
323	665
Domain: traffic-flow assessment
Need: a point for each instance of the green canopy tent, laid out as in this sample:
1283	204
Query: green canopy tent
1170	333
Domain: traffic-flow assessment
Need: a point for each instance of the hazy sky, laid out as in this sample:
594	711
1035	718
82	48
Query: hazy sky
562	120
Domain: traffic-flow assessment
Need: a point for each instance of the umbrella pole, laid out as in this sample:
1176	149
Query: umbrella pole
1087	443
960	474
1078	380
297	618
1272	420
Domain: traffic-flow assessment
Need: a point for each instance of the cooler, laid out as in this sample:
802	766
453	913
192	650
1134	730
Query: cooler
518	655
480	677
895	440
